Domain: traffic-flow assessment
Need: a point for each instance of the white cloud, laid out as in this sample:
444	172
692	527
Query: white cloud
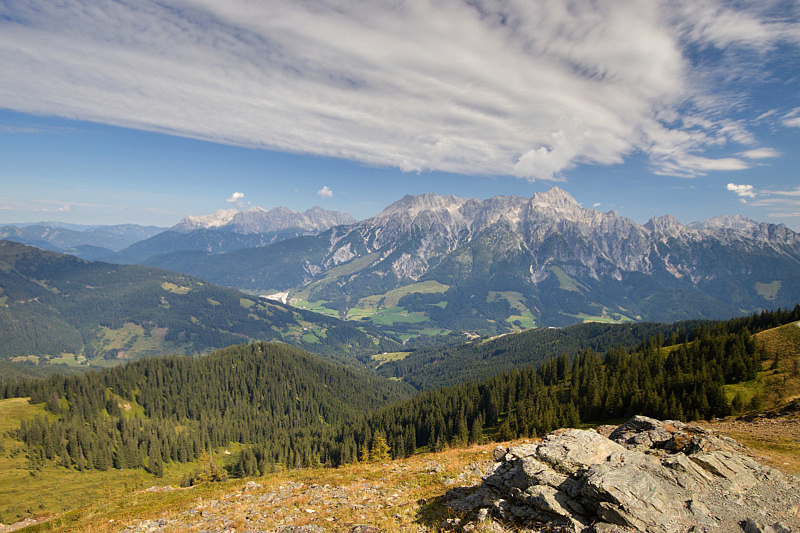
790	192
235	198
760	153
64	209
784	203
530	89
742	191
325	192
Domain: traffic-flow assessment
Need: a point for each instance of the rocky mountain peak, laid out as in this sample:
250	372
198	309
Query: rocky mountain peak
323	217
559	204
259	220
214	220
737	222
555	196
413	205
666	225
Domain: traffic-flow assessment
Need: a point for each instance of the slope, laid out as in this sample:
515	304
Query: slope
173	410
62	309
432	368
255	395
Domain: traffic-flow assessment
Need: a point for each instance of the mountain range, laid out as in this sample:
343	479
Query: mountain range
441	263
87	242
230	229
223	230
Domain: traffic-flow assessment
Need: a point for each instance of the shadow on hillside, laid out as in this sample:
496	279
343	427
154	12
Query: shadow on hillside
433	511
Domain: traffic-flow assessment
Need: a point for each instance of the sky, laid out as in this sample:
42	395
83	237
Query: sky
140	111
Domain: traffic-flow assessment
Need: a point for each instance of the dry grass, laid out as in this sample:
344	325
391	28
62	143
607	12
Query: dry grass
402	495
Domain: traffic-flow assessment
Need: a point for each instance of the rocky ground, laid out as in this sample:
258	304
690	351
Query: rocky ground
645	475
775	434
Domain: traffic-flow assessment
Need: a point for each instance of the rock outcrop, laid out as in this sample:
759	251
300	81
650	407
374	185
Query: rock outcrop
645	475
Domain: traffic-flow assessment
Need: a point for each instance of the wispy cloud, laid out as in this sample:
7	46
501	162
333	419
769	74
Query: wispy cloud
530	89
784	203
760	153
325	192
792	118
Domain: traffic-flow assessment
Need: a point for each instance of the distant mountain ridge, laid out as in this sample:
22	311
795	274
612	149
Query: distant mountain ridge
260	220
230	229
508	262
87	242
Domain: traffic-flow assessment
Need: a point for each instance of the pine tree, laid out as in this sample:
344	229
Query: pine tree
379	451
155	464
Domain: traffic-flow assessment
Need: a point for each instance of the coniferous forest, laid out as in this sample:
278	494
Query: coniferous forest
290	409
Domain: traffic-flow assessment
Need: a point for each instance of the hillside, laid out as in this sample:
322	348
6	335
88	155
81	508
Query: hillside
426	492
433	264
275	408
173	410
60	309
435	367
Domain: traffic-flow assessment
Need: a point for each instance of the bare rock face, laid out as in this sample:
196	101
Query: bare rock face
648	475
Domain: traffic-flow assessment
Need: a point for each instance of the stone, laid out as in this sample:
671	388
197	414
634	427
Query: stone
482	515
298	529
644	433
499	453
751	526
574	449
634	496
549	500
659	477
361	528
737	471
531	471
523	450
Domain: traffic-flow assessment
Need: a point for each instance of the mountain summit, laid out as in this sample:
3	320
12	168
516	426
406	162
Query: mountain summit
260	220
507	262
230	229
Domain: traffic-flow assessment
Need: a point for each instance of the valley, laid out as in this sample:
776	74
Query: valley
412	341
66	311
510	405
399	267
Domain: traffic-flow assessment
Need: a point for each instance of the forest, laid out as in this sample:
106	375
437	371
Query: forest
290	409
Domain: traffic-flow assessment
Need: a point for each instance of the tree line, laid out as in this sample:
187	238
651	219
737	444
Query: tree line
291	409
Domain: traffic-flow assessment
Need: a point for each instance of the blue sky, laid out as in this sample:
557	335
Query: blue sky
144	112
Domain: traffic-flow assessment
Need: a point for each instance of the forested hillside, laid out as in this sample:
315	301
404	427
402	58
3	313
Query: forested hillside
684	381
291	409
172	409
52	305
436	367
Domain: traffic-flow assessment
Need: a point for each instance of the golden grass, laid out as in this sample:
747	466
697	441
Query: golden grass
394	496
